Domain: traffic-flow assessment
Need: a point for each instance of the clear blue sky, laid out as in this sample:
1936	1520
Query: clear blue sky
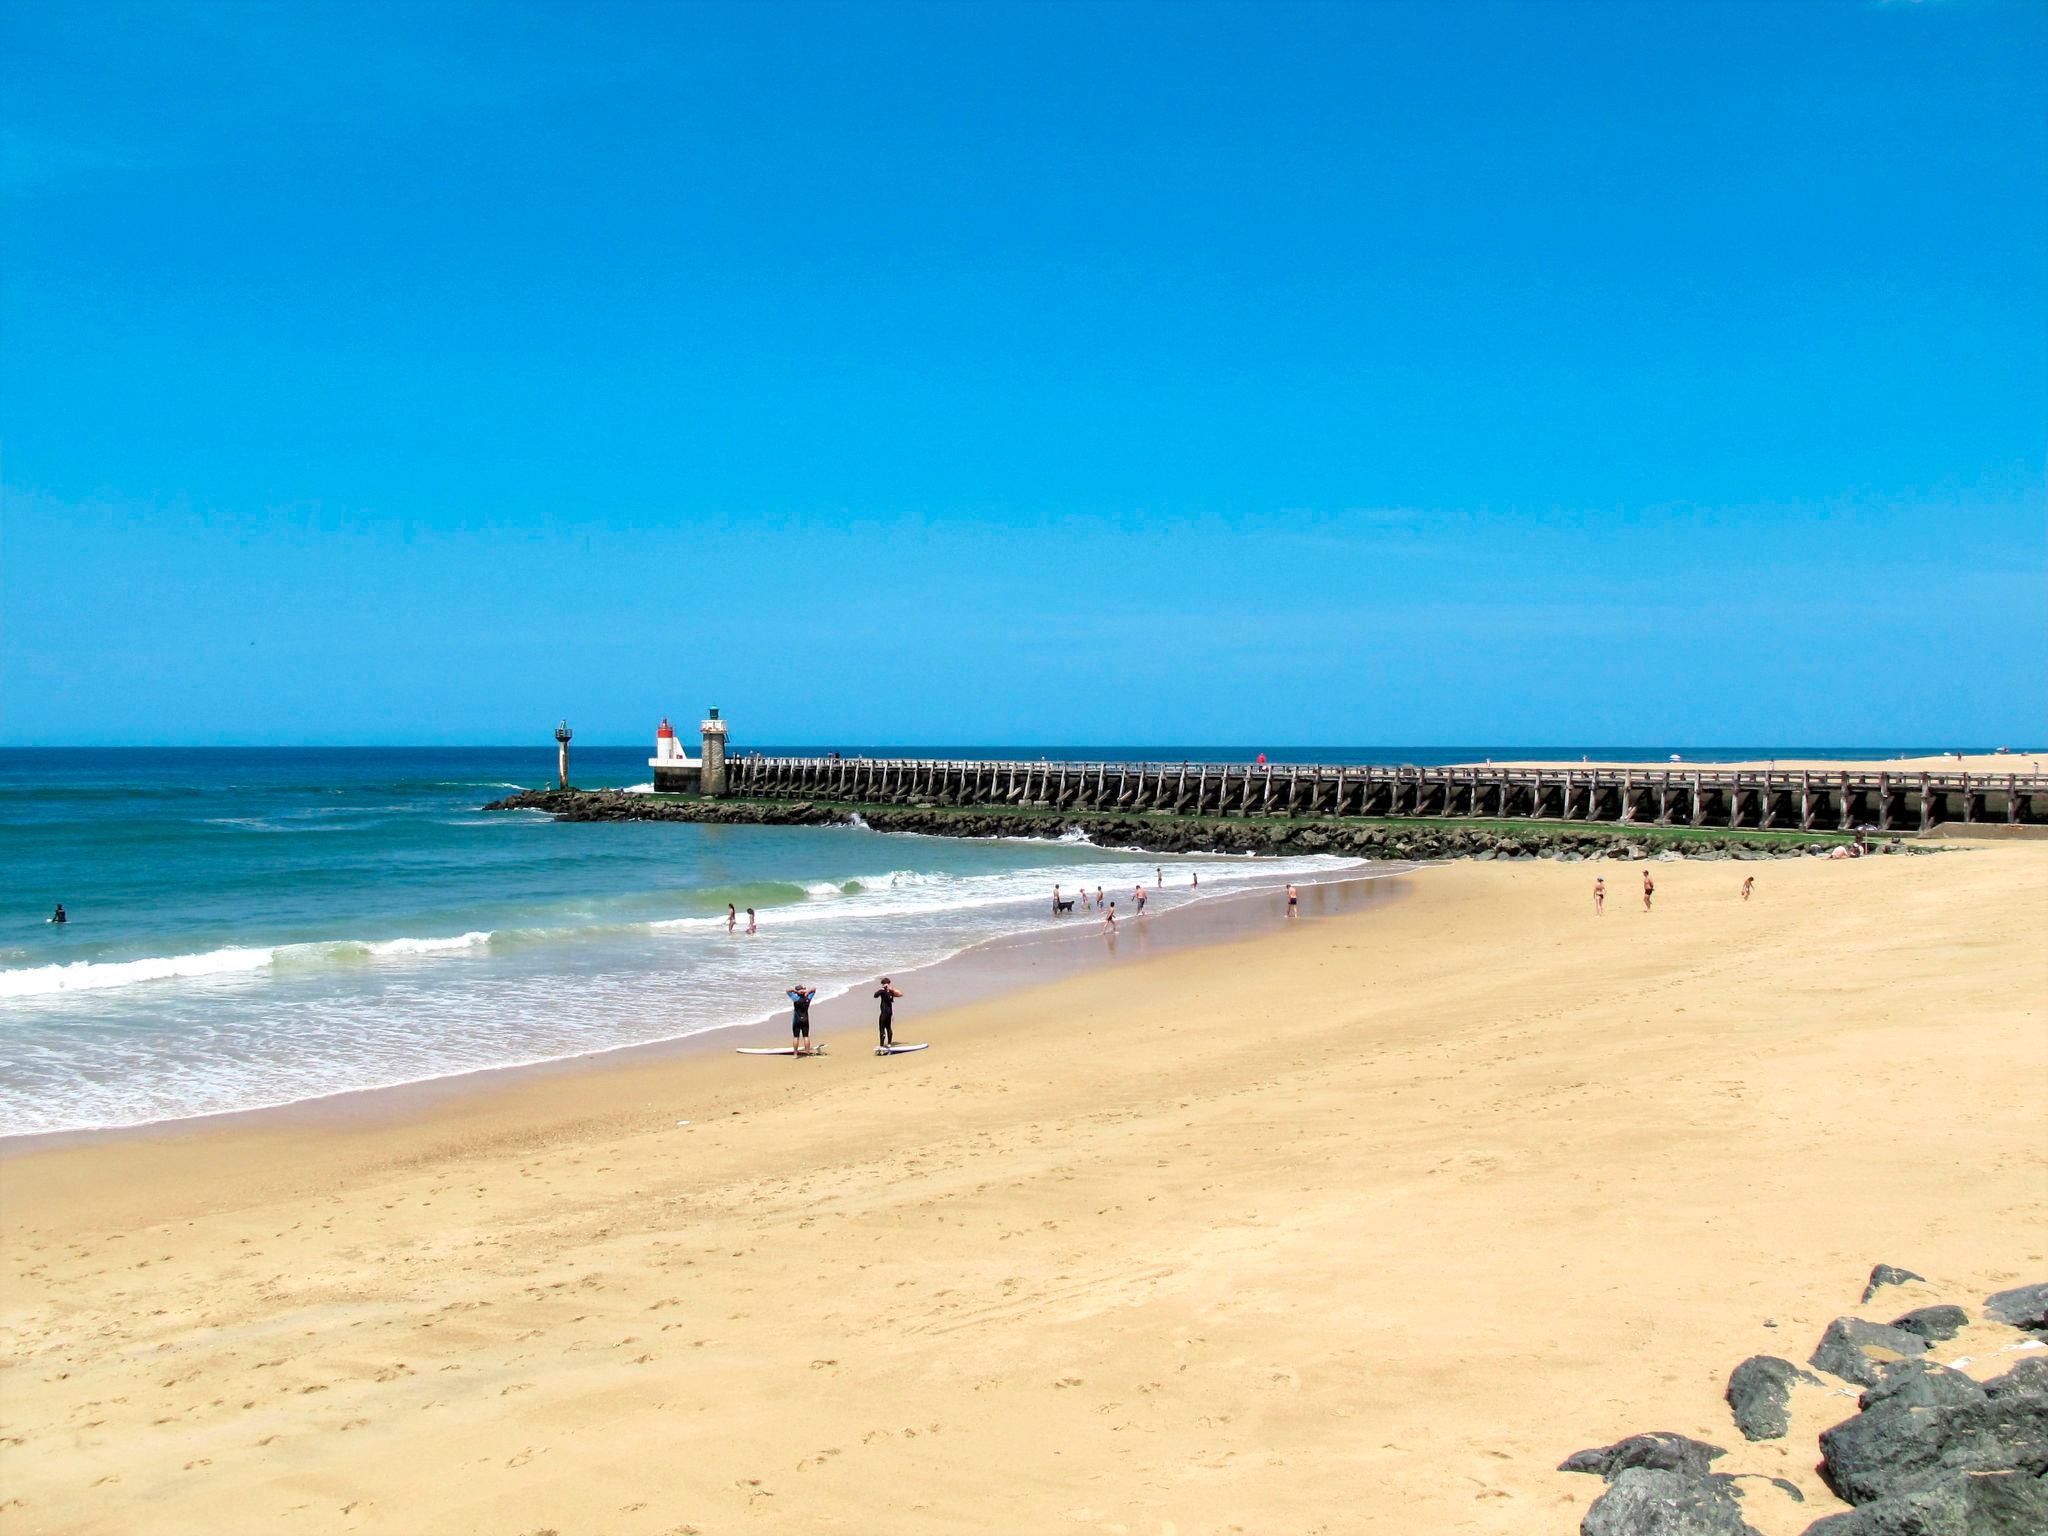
1378	373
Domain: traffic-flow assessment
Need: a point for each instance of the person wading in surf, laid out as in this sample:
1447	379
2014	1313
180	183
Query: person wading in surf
886	995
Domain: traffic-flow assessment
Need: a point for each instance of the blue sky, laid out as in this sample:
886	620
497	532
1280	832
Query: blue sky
1377	373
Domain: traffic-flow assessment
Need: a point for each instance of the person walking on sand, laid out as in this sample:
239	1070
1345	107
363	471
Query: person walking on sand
1599	894
750	919
1649	889
886	995
800	1017
732	916
1293	901
1747	882
1109	922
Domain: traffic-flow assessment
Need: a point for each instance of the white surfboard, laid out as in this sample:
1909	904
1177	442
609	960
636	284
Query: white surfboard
778	1050
898	1050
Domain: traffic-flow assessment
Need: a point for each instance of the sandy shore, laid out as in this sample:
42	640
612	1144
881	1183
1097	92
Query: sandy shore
1355	1226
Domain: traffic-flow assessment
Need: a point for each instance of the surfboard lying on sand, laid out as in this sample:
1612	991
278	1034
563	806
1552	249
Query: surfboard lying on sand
778	1050
898	1050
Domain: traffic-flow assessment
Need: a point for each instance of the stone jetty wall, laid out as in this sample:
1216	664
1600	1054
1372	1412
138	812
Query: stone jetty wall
1648	795
1157	833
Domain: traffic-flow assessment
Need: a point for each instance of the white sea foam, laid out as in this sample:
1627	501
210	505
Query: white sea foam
91	976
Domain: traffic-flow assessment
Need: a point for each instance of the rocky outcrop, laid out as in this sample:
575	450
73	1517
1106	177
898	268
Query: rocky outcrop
1646	1502
1926	1431
1758	1390
1168	834
1936	1325
1887	1274
1857	1351
2023	1307
1656	1451
1929	1452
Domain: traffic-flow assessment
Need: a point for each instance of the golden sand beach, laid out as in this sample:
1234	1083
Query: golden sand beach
1358	1224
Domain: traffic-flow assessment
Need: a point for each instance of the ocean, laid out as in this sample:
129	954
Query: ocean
258	927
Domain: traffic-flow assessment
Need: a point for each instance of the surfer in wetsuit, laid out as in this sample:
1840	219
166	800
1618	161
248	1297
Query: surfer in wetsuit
886	995
58	916
800	1018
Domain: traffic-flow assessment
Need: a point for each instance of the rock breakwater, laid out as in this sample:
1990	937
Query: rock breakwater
1188	834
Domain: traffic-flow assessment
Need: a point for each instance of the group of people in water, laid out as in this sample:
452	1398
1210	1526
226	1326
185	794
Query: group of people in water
1063	905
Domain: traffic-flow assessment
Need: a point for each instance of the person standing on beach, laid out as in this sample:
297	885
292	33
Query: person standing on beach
1098	898
1109	922
1649	889
886	995
1747	882
1055	901
1293	901
732	916
800	1017
750	919
1599	894
1138	897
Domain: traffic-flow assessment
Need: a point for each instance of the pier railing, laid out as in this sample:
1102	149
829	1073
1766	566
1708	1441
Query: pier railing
1886	800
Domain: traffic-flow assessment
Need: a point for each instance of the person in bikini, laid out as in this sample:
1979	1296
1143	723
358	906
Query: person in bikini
1649	889
1747	883
1293	901
1599	894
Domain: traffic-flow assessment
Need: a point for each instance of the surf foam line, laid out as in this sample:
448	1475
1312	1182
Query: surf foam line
234	960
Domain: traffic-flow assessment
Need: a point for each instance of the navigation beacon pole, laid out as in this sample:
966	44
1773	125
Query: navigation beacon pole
711	780
562	735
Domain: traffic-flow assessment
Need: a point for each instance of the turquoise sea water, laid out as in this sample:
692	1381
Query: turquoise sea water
257	927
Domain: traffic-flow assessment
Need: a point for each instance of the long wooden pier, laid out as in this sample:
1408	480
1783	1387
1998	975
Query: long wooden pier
1649	795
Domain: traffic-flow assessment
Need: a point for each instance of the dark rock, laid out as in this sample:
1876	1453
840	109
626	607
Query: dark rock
1934	1324
1901	1444
2028	1379
1920	1384
1657	1451
1887	1274
1758	1390
2024	1306
1647	1501
1853	1349
1954	1504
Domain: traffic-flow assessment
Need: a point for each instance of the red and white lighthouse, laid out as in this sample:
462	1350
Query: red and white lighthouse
665	749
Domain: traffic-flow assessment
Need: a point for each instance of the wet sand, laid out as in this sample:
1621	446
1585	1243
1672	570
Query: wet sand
1358	1223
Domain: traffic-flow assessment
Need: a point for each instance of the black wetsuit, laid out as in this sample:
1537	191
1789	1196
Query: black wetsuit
888	1000
800	1015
